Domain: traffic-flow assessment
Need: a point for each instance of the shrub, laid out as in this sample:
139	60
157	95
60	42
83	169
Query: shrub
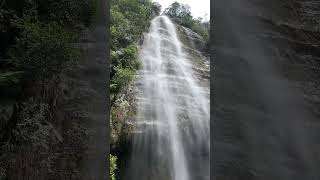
120	32
29	135
113	167
121	78
64	12
42	49
125	63
200	29
129	19
72	14
126	58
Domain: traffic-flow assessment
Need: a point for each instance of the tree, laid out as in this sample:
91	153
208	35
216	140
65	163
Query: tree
177	10
181	14
156	9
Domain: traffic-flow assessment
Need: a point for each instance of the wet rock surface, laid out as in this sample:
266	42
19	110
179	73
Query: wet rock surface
172	93
194	47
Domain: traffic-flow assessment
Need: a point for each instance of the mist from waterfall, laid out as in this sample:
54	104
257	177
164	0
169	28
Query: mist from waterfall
171	133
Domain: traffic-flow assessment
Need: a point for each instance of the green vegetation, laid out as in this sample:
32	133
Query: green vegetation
129	19
42	49
113	167
37	37
122	77
181	14
38	40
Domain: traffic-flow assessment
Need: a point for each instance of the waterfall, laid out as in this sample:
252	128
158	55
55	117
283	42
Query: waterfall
171	133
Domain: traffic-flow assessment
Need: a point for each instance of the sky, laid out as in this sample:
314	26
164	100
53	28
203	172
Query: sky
199	8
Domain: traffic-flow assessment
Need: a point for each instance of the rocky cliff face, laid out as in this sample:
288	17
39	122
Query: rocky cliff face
124	111
195	47
266	96
56	127
124	108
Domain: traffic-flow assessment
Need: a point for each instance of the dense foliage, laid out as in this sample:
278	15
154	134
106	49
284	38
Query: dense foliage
38	40
181	14
129	19
36	35
113	167
29	52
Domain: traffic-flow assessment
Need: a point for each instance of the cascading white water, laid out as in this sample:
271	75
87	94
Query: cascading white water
171	140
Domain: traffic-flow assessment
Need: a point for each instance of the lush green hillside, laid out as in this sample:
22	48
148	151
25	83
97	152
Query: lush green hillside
129	19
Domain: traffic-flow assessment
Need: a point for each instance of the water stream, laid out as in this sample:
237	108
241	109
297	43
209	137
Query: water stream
171	135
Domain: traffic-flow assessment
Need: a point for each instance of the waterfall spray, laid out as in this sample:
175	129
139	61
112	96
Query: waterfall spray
171	136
